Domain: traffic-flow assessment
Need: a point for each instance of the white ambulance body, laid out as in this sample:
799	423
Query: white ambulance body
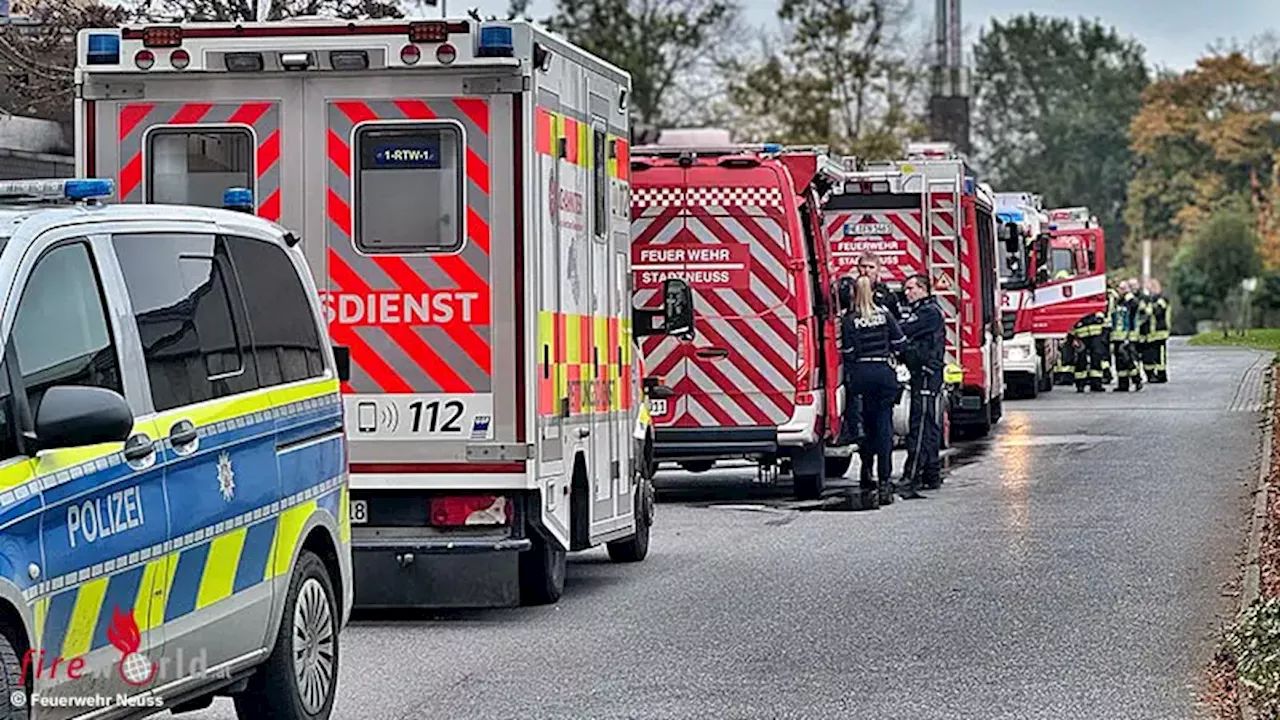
461	191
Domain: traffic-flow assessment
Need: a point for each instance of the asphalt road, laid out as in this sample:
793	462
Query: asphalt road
1072	566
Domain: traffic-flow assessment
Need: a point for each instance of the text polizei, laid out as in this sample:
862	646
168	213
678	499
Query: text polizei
105	515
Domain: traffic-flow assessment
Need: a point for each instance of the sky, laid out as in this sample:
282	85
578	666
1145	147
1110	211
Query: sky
1174	32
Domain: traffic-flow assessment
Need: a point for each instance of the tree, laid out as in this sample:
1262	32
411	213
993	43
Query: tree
1208	270
1052	101
38	59
846	77
246	10
660	42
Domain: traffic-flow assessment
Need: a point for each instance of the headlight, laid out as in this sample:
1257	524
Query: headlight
1017	352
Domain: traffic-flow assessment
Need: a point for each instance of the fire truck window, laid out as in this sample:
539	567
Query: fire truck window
185	301
600	159
1063	261
285	339
194	167
409	188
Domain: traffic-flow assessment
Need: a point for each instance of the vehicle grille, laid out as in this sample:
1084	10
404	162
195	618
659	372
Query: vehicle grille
1007	320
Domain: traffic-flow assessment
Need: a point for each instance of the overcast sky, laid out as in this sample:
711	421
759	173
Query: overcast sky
1175	32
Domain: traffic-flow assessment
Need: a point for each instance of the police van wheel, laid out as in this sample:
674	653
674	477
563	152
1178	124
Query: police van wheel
542	571
11	683
300	678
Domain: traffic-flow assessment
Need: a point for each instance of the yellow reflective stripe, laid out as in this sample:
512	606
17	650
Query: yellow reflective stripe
84	618
344	515
586	139
220	568
573	339
214	411
16	472
40	611
284	395
153	591
287	536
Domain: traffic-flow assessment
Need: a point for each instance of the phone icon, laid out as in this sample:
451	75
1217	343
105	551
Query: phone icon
367	417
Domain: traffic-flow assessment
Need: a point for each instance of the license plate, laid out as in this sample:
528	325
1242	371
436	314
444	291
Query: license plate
359	512
658	407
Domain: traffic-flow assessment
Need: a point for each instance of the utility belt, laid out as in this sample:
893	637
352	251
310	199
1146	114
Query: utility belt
872	359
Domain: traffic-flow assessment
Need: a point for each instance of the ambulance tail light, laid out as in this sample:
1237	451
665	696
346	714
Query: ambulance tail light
804	367
428	32
180	59
446	54
464	510
145	59
162	36
410	55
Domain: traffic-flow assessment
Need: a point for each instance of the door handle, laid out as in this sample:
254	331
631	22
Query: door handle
182	433
584	432
712	352
138	447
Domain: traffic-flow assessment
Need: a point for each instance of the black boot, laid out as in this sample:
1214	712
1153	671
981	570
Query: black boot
1079	387
1123	385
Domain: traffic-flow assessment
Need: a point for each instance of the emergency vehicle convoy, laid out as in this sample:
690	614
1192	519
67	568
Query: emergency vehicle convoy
1029	357
461	188
1077	284
927	213
761	376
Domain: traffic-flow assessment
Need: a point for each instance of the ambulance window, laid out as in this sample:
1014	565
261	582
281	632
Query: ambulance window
286	341
189	319
194	167
63	292
409	186
601	164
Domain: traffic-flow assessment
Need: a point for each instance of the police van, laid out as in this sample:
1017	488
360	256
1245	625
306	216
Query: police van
173	487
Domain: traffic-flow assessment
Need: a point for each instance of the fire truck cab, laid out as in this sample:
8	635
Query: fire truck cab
760	377
461	192
927	213
1029	359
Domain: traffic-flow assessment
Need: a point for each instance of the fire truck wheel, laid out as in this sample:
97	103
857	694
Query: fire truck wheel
300	678
542	570
11	682
636	547
838	467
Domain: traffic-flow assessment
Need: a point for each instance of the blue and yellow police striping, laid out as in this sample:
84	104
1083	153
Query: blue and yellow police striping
201	522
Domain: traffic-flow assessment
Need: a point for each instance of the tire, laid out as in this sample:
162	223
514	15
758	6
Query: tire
11	681
636	547
542	571
697	466
838	467
310	611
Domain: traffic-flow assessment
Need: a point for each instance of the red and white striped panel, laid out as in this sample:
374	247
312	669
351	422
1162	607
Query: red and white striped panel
893	235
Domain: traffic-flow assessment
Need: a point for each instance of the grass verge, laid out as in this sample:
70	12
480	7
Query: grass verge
1262	339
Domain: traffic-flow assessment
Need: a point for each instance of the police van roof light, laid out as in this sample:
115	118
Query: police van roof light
496	41
54	189
162	36
237	198
104	49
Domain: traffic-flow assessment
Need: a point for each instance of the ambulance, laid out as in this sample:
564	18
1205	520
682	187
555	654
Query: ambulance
1030	354
461	190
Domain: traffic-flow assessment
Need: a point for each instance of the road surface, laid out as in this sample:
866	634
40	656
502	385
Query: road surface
1072	566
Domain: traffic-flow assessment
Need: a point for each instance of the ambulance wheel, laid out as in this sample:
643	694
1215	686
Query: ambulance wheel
542	571
838	467
300	678
636	547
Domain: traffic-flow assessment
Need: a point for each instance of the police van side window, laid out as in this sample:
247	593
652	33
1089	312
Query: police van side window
286	340
61	333
194	167
409	188
190	317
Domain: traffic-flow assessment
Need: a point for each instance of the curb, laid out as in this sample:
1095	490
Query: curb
1251	583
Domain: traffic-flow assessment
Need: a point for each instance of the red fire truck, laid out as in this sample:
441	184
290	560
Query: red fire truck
905	211
760	379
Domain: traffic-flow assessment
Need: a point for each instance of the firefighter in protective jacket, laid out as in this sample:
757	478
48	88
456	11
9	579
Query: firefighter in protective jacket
1123	331
1091	353
1153	357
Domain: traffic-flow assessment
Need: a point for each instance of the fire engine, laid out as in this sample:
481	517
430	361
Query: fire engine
1029	357
927	213
1077	269
461	188
761	377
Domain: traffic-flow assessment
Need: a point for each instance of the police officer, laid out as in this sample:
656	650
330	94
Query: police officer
924	355
1154	359
1091	351
869	266
870	338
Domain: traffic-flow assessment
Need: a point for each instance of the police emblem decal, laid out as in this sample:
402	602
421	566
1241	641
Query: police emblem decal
226	477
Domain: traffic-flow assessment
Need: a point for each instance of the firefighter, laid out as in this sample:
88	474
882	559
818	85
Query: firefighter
1123	329
869	266
1154	358
1091	351
1144	329
871	338
924	355
1113	299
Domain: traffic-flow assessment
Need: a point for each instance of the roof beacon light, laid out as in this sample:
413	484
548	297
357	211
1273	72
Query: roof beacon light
772	148
496	41
104	49
57	189
238	198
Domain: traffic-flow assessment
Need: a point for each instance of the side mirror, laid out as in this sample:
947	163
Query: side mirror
78	416
675	317
342	359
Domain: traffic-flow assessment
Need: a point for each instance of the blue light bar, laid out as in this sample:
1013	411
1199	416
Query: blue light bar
88	188
104	49
496	41
237	198
1013	216
969	186
772	148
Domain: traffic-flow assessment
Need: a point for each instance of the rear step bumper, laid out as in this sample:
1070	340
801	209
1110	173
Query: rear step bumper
714	443
463	573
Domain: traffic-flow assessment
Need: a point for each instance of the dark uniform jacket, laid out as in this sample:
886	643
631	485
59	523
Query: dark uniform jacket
876	338
926	334
885	298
